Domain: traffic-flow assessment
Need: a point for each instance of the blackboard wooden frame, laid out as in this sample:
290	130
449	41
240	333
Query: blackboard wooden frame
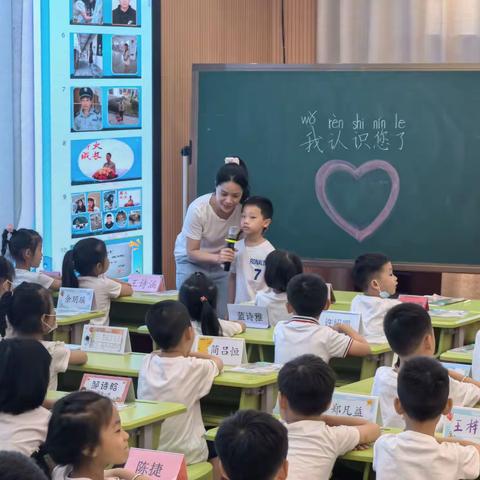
312	262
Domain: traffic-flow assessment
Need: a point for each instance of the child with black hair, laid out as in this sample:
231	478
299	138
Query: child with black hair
25	248
373	275
199	294
252	445
7	275
85	436
409	332
315	440
248	269
415	454
89	259
307	296
24	376
15	466
280	267
176	374
30	313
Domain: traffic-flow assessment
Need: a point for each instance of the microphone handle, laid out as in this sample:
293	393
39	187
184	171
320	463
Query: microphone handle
231	245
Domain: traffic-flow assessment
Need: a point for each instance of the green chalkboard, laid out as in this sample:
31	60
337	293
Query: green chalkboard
373	159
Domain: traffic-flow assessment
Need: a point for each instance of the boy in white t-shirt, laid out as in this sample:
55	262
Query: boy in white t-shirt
373	274
415	454
315	440
247	276
409	331
307	296
175	374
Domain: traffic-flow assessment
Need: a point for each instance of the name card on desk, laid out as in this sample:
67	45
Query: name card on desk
117	389
463	423
231	350
253	316
352	405
157	465
329	318
106	339
462	368
147	283
418	299
74	300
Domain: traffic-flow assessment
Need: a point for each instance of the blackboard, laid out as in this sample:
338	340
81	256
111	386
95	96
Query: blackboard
379	158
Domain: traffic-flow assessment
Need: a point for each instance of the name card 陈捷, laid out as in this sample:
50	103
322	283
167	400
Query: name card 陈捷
157	465
72	301
117	389
231	350
353	405
101	339
147	283
331	318
253	316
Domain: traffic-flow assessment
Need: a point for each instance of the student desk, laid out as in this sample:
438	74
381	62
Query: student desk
363	387
70	327
142	419
458	356
230	392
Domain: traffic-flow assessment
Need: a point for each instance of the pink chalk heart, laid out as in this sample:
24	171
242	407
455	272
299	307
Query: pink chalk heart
335	166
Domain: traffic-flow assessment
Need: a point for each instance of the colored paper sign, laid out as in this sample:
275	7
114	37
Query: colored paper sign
462	368
157	465
147	283
117	389
330	318
105	339
352	405
253	316
463	423
231	350
74	300
418	299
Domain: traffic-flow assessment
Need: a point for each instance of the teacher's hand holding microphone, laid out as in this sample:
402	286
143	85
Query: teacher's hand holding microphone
210	229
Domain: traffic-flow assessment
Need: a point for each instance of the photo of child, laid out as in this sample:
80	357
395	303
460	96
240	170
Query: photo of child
124	54
123	107
109	221
135	218
80	223
130	198
78	203
85	12
87	55
124	12
87	109
121	218
96	221
93	202
109	200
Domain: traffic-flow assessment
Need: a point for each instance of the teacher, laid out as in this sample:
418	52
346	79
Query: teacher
200	246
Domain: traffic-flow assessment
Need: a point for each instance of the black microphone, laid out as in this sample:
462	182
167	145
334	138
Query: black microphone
231	240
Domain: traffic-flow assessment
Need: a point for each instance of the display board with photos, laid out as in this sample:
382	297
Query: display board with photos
94	91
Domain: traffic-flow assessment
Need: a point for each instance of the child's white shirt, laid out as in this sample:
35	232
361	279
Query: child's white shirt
385	387
276	304
313	448
373	311
60	356
184	380
476	358
22	275
202	223
104	290
249	267
62	472
302	335
25	432
417	456
229	328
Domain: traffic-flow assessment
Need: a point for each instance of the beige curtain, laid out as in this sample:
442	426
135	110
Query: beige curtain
403	31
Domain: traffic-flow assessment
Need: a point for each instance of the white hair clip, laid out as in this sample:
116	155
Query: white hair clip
235	160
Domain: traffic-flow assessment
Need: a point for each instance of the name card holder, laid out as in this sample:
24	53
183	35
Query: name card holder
147	283
100	339
157	465
330	318
253	316
353	405
463	368
418	299
231	350
72	301
117	389
463	423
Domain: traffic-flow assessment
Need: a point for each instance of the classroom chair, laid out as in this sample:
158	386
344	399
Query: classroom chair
200	471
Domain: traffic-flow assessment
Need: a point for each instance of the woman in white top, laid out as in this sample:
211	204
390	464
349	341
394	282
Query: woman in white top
280	267
24	376
200	246
199	294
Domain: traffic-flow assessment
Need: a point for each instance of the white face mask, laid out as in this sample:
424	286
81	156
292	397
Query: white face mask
384	294
49	328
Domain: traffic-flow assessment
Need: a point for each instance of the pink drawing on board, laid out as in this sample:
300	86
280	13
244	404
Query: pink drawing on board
335	166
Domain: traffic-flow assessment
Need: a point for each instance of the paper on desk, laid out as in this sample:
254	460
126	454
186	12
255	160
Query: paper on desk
261	368
448	313
441	301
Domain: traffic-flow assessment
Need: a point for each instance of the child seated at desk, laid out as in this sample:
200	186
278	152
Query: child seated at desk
199	294
409	332
280	267
373	274
252	445
307	297
248	269
89	259
24	374
315	440
175	374
423	386
30	313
